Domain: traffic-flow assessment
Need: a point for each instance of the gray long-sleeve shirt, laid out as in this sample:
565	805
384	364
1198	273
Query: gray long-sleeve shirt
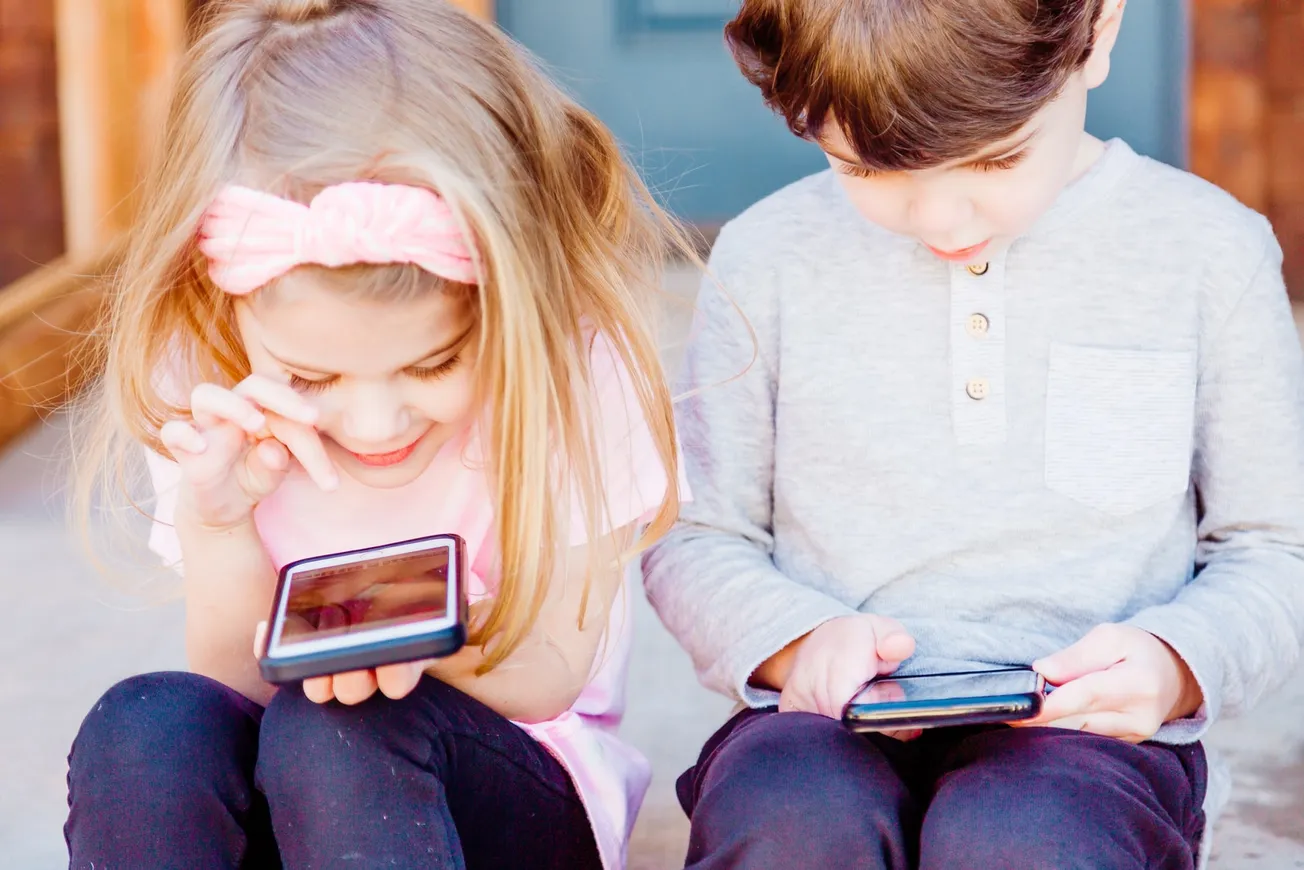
1106	426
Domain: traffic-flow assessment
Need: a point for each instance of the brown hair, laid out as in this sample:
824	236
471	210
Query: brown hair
911	83
292	96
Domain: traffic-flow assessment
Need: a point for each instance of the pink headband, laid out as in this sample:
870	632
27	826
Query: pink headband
251	238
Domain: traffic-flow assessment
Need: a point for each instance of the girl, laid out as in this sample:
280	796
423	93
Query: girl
390	283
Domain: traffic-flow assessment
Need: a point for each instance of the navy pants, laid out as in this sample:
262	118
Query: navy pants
795	790
174	771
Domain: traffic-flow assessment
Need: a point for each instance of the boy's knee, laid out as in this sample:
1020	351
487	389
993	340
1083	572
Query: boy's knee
802	788
166	722
1077	809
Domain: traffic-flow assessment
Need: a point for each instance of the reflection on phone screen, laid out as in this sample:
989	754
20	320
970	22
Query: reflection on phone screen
944	687
335	601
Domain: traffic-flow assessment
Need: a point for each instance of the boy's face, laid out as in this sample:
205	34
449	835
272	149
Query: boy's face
962	210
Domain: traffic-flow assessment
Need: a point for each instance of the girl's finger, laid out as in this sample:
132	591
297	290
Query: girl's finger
220	447
180	437
278	398
398	681
304	442
273	454
212	405
319	689
354	687
260	639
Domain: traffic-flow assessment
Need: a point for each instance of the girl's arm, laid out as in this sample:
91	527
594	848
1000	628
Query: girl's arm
542	678
229	583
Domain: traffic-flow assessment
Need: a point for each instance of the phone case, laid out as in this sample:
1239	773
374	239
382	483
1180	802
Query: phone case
435	644
372	655
943	712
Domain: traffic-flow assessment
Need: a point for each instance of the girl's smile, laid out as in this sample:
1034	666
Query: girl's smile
377	459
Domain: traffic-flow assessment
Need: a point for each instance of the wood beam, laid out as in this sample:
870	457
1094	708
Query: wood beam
483	8
117	59
1229	99
44	320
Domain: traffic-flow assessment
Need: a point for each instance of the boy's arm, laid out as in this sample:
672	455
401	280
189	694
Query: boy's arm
712	579
1239	624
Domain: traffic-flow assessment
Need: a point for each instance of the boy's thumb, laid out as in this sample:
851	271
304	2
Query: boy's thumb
893	642
1095	652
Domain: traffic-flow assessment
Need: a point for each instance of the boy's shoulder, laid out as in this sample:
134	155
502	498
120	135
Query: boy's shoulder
791	220
1183	206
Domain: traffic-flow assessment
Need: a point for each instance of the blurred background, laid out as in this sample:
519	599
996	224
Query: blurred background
1215	86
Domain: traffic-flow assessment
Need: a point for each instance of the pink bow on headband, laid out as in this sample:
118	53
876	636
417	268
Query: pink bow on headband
251	238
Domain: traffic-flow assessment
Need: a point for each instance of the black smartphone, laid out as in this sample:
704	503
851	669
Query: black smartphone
400	602
940	700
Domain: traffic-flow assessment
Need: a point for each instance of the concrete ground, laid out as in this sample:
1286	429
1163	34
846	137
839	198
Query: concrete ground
73	632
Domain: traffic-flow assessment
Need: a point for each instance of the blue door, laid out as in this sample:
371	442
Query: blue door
658	73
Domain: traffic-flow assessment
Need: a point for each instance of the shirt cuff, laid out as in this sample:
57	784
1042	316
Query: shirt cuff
1175	627
807	615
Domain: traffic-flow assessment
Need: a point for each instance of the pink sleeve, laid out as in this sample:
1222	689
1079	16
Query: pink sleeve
633	476
162	534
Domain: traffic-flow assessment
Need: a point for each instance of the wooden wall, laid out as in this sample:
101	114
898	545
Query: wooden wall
1284	76
1247	111
31	211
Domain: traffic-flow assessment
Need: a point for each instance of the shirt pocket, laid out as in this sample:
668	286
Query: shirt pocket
1119	425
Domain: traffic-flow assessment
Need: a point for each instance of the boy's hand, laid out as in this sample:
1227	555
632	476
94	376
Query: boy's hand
820	672
1118	681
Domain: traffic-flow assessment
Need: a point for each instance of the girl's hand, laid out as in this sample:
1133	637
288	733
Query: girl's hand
1118	681
354	687
238	447
829	665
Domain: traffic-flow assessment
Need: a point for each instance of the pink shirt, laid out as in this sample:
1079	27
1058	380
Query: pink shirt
452	495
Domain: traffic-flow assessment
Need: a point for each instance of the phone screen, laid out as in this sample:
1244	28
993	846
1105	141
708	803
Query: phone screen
365	596
947	687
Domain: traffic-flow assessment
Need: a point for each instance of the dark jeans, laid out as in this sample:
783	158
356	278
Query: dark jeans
177	771
795	790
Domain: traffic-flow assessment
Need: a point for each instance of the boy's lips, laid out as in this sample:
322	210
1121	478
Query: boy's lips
382	460
962	255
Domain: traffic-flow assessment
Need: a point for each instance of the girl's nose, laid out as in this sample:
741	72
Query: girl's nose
376	415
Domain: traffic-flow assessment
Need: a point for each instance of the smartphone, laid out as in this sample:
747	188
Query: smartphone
941	700
400	602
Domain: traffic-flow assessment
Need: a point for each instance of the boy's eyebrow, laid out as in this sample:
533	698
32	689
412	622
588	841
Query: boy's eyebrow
452	345
988	154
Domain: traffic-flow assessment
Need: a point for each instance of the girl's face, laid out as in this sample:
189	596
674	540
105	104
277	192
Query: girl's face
392	382
962	211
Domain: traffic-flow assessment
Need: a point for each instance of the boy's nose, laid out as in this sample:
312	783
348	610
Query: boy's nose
940	218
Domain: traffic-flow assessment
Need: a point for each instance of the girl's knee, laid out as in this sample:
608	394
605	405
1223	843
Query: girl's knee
167	722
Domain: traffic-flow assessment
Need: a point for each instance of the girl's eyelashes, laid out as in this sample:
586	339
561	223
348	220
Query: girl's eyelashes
304	385
424	373
430	373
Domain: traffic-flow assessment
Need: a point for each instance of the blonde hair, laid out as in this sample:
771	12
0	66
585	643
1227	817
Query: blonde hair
294	95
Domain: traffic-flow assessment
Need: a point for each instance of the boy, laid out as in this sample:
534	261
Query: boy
1020	397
